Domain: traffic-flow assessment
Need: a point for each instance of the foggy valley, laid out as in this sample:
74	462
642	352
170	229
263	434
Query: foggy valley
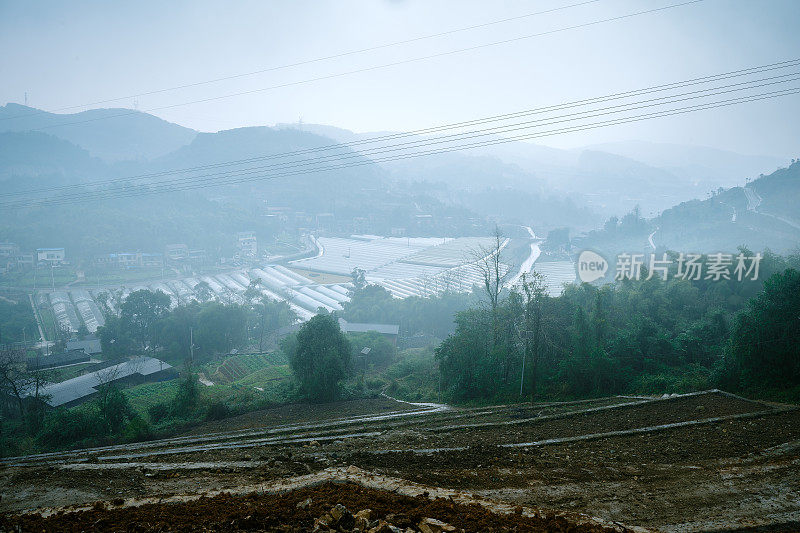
400	266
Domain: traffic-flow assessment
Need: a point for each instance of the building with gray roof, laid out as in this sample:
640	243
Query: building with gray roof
80	389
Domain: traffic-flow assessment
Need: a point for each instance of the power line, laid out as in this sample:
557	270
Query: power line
487	131
457	125
393	148
314	60
235	178
376	67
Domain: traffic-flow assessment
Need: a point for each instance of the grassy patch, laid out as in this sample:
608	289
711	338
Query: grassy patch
143	397
414	377
689	379
237	367
57	375
321	277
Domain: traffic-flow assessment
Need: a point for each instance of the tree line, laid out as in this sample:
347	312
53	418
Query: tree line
648	336
197	331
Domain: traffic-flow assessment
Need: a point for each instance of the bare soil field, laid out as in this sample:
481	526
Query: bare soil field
700	462
304	509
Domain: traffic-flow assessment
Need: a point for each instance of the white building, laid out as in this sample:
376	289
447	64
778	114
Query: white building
50	255
248	244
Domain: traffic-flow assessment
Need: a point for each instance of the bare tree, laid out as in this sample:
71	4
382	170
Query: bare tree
14	378
535	290
23	387
111	402
488	261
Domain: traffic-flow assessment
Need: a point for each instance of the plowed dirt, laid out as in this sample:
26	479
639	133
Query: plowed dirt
287	512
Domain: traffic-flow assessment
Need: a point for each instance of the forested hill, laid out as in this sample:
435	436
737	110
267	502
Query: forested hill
110	134
761	215
32	158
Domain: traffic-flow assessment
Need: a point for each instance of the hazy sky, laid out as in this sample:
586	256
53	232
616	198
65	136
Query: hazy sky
70	53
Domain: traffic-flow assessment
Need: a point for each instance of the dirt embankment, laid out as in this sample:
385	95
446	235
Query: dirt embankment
299	510
702	475
302	412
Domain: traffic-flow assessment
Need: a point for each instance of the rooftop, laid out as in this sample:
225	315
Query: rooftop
86	385
356	327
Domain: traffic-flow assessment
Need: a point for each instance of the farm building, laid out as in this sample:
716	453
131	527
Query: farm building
77	390
390	331
70	357
90	345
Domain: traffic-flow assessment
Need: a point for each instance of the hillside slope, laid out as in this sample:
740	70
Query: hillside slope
110	134
35	158
762	215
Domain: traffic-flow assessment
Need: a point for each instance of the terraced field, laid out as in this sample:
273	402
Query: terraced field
702	461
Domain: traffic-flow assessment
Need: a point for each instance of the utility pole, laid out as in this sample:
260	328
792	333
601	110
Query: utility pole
522	376
439	392
191	345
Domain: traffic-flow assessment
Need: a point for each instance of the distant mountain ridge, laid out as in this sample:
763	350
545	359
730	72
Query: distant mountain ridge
695	162
761	215
32	153
610	178
110	134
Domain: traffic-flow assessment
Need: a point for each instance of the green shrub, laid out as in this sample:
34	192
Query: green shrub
218	411
185	400
158	412
137	429
63	427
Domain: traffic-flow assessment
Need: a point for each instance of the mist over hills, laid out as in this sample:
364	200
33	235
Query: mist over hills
762	215
110	134
698	164
517	183
35	156
652	175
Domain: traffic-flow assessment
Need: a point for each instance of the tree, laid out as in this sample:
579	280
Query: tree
23	386
14	380
535	290
187	395
466	364
102	299
176	331
16	321
765	345
370	303
272	316
253	292
203	292
381	350
320	357
115	340
220	328
83	332
490	266
359	278
140	313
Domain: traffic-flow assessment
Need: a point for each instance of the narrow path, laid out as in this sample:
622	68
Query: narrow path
37	317
527	265
754	200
